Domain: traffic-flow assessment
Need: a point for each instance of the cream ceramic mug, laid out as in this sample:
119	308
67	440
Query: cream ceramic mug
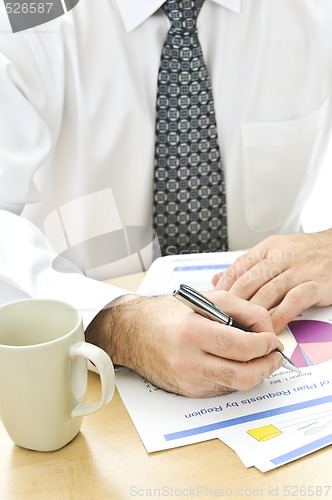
43	373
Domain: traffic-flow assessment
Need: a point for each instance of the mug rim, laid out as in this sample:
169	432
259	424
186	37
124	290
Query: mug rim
78	323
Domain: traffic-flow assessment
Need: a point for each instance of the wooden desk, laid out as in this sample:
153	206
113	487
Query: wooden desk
108	461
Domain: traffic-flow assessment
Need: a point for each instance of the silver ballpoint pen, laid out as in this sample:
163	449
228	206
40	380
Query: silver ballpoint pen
203	306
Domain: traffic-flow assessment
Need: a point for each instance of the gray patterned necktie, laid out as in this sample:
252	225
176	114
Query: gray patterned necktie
189	188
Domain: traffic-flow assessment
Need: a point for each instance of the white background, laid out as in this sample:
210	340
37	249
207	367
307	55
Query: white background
317	214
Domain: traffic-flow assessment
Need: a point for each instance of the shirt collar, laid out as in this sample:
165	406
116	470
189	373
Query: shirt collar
135	12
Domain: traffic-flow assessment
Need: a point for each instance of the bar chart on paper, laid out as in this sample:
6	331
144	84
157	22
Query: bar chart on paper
308	342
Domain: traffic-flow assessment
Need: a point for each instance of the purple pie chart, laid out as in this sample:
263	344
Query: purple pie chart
313	342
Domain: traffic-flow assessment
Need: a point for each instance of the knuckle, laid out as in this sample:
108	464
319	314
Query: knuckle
244	351
179	364
298	294
265	295
246	381
272	242
243	283
272	292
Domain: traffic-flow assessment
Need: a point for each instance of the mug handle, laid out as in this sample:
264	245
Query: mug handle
105	369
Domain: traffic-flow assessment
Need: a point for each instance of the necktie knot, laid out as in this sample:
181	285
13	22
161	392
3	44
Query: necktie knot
183	13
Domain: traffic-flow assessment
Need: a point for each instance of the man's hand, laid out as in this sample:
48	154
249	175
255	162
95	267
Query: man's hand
289	273
183	352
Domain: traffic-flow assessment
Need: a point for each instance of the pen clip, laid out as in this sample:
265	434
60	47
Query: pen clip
200	304
187	292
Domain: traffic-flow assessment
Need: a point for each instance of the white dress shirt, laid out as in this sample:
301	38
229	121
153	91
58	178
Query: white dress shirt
77	100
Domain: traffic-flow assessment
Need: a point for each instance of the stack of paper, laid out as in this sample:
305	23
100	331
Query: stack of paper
287	416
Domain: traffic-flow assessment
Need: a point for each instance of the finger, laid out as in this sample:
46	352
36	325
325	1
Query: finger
238	375
231	343
216	277
252	316
261	274
273	292
239	267
295	301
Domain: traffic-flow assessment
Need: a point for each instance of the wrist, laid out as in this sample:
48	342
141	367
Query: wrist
115	326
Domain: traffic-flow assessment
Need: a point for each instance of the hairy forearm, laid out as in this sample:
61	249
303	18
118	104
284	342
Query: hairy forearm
113	327
129	331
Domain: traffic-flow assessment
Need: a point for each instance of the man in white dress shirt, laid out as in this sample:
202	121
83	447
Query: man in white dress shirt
77	101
